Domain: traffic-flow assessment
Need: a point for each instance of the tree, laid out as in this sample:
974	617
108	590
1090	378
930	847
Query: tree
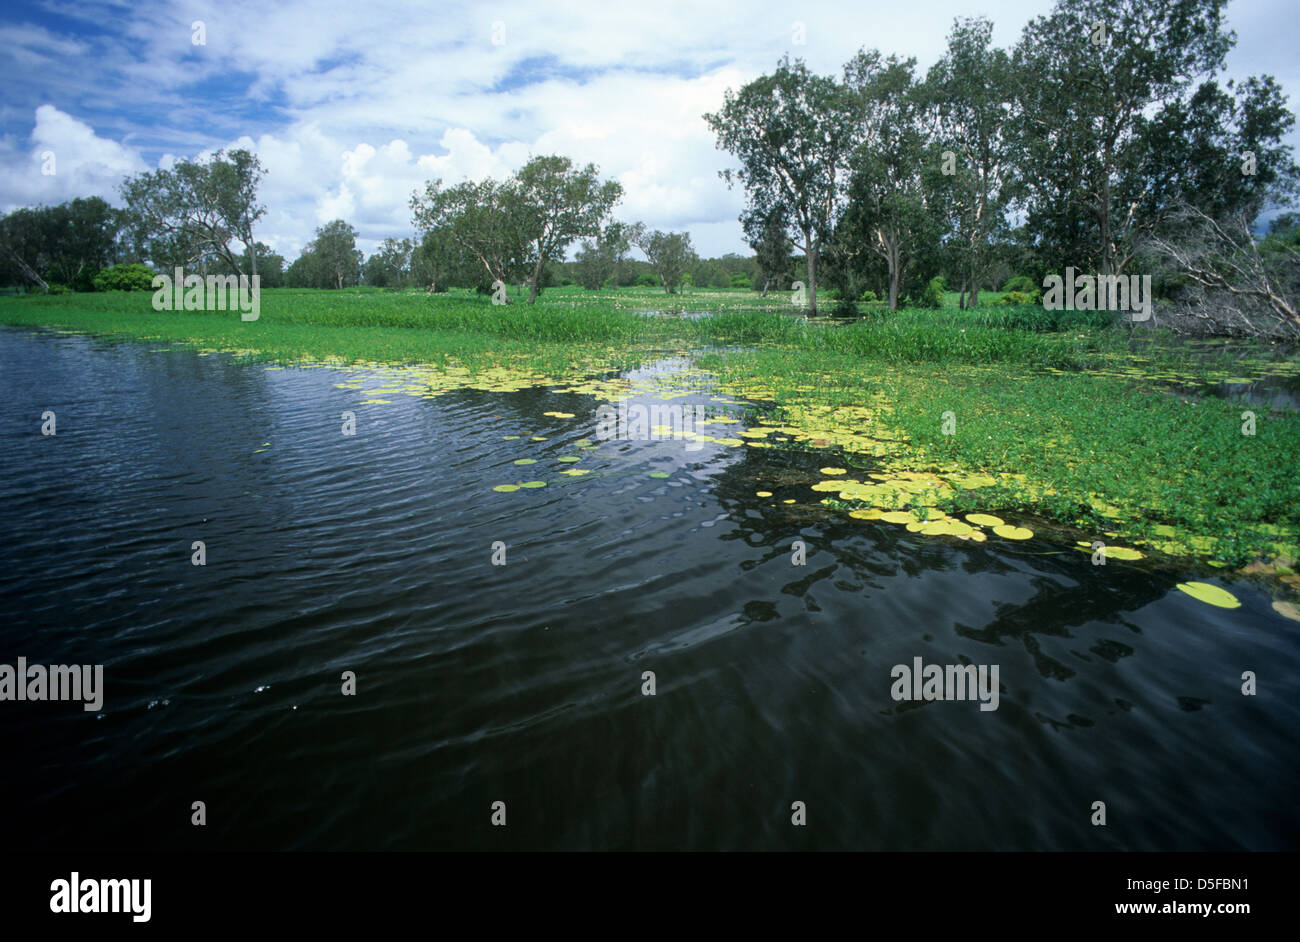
670	254
270	265
968	94
485	220
1085	77
65	244
889	210
1229	284
390	265
766	234
559	204
335	246
599	261
792	133
439	261
194	207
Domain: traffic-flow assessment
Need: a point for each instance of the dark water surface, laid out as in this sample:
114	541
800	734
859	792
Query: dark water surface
522	683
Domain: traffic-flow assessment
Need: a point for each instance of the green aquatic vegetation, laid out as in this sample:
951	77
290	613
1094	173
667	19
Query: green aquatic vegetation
1062	418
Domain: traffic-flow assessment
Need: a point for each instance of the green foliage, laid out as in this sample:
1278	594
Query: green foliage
1021	283
125	278
193	208
932	296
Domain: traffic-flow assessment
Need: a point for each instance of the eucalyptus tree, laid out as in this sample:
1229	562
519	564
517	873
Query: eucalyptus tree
1087	78
890	210
598	260
767	236
484	220
559	203
792	133
968	96
670	254
196	207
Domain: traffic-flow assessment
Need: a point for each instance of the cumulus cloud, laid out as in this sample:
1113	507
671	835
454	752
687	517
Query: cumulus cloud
351	107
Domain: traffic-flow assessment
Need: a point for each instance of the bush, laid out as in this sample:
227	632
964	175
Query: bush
740	281
56	288
646	280
932	296
869	296
1020	297
124	278
1021	283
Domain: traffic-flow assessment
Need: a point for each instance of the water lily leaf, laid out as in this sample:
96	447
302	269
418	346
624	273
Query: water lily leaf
763	493
834	471
533	484
1013	533
985	520
1210	594
1122	552
658	474
506	488
569	459
1287	609
526	461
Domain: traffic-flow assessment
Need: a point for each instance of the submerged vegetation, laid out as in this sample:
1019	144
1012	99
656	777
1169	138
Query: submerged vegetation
949	422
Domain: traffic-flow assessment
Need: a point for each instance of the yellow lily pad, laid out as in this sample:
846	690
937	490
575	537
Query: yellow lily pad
985	520
1006	531
1210	594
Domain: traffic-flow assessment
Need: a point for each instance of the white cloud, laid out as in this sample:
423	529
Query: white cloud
351	106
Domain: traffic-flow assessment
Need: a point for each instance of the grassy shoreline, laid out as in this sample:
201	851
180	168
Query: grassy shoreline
1074	426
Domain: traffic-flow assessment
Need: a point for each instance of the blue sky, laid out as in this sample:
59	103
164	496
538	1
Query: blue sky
351	106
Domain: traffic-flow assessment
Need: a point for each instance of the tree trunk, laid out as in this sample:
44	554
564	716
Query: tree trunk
961	298
532	284
26	269
810	257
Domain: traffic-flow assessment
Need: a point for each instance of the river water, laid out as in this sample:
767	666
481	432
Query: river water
479	683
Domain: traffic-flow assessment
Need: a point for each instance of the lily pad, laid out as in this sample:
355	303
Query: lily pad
763	493
526	461
1210	594
1287	609
985	520
658	474
533	484
834	471
506	488
1009	532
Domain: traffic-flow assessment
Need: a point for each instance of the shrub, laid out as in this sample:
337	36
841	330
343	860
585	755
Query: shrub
869	295
124	278
932	296
1021	283
646	280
